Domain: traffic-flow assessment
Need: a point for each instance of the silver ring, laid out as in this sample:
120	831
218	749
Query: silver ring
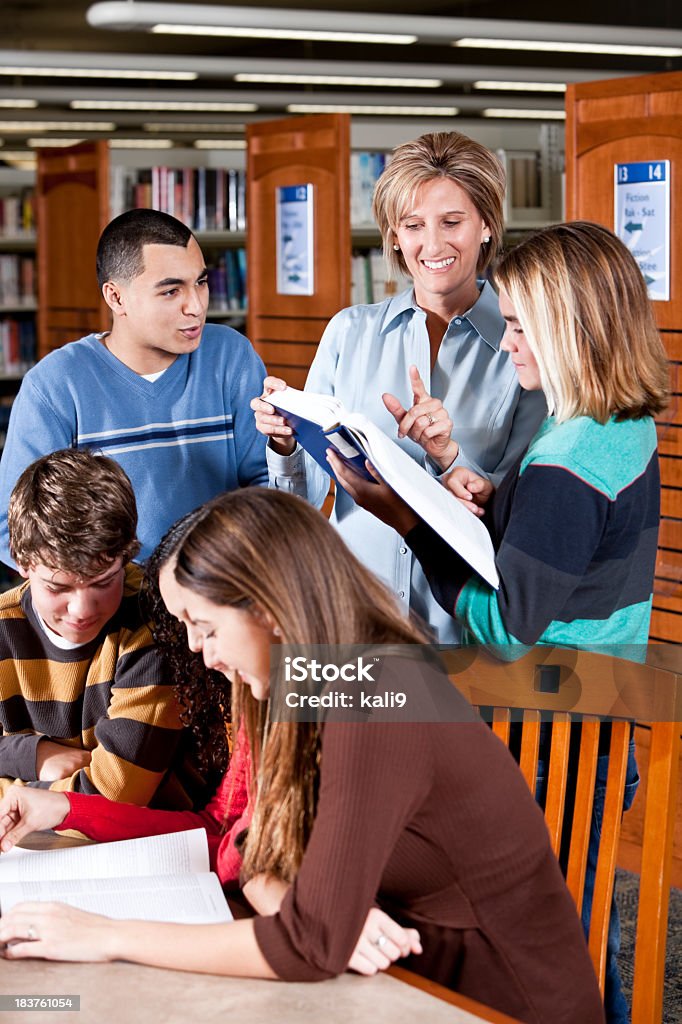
380	941
31	933
431	418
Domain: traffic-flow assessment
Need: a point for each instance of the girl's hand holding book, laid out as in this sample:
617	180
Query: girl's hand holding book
377	498
471	489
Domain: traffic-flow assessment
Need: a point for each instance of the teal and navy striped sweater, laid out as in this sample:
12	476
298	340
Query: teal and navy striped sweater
575	527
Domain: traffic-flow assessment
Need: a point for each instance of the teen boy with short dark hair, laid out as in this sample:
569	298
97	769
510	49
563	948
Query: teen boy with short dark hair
83	702
162	392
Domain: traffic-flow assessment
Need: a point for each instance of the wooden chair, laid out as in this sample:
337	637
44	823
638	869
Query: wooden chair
558	684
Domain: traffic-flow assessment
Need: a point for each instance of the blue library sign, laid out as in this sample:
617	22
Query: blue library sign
642	220
295	254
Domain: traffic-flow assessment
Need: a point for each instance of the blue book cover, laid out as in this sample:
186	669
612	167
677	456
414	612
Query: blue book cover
316	441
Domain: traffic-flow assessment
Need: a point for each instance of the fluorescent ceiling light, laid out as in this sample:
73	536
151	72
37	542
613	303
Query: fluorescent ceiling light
318	35
522	86
59	72
57	126
21	160
220	143
366	108
141	143
40	143
193	126
215	19
18	104
399	83
193	105
538	115
557	46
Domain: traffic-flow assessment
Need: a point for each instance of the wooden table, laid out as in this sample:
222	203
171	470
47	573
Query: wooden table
132	993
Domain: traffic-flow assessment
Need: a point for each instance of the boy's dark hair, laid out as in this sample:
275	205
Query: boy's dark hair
120	254
73	511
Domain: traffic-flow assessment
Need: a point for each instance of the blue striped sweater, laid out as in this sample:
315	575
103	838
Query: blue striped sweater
182	438
575	527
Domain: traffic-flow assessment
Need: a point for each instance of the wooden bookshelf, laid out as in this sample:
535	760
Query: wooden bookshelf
286	329
619	121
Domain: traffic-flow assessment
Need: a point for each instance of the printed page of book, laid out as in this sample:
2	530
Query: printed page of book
429	499
177	853
181	899
324	410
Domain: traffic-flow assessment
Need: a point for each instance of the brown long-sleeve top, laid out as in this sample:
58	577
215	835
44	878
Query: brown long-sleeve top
434	822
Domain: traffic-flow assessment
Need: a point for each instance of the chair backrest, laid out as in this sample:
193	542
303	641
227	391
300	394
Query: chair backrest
563	686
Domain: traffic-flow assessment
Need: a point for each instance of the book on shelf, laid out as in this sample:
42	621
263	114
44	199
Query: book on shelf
370	281
17	214
523	178
17	280
365	168
203	198
159	878
320	422
17	345
227	280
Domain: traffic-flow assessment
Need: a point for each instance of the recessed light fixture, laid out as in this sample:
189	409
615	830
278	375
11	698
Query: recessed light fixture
522	86
141	143
316	35
225	127
366	108
220	143
533	115
556	46
20	160
57	126
53	143
18	104
182	105
58	72
367	80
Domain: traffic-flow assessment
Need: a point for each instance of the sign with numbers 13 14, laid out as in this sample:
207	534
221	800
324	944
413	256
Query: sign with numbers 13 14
642	220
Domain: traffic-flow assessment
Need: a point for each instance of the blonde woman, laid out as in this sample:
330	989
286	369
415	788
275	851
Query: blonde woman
429	820
433	350
575	521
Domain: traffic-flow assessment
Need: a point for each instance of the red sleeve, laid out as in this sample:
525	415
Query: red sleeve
224	817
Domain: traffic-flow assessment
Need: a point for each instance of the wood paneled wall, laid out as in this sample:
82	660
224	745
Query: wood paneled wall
72	211
285	329
619	121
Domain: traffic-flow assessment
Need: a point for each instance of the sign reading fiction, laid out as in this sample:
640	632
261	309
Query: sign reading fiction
295	255
642	220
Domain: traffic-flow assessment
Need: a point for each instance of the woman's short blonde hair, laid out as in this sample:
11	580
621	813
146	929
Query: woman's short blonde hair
440	155
582	303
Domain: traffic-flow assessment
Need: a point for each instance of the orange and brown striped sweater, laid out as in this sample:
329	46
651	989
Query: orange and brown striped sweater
108	696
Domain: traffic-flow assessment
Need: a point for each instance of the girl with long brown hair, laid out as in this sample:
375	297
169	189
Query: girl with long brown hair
426	816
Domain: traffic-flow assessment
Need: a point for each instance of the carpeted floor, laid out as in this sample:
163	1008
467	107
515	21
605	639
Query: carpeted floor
627	894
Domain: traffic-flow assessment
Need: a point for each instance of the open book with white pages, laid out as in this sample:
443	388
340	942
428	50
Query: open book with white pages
321	422
160	878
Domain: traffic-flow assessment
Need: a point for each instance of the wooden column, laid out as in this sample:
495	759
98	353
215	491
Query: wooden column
620	121
72	210
285	329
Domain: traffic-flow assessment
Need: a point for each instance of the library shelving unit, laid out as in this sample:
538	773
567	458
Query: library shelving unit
620	121
632	120
284	328
17	277
75	187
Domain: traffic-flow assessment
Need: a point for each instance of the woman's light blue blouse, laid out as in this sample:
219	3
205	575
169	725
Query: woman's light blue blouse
367	351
